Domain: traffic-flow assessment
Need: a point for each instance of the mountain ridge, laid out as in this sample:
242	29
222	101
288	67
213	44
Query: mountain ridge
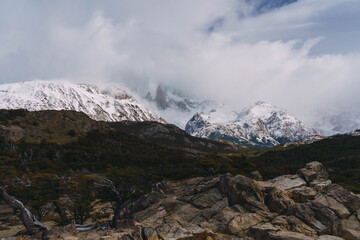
107	104
261	124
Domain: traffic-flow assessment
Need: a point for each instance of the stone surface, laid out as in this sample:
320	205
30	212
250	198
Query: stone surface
278	201
328	201
288	182
303	194
350	234
329	237
244	191
351	223
261	231
256	176
241	224
289	236
343	196
291	223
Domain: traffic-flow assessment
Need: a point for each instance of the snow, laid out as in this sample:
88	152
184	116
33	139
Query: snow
259	125
108	104
333	121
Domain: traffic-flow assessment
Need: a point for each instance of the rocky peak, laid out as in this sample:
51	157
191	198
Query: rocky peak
160	98
148	97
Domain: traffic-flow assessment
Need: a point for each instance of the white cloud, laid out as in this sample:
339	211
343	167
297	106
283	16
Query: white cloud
289	56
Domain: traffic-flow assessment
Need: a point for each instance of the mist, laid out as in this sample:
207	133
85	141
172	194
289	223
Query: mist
299	55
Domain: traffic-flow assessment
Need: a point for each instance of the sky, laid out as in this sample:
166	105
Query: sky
298	55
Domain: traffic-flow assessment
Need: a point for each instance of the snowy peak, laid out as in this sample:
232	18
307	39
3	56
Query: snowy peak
335	121
262	125
107	104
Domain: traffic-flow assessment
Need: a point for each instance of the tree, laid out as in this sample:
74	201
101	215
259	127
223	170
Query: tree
123	194
32	225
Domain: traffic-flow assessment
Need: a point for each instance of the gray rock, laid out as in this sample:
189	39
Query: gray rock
287	182
350	234
244	191
329	237
343	196
285	235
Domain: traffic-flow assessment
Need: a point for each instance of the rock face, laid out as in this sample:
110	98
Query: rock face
237	207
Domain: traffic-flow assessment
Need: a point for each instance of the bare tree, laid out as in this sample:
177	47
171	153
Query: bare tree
32	225
122	206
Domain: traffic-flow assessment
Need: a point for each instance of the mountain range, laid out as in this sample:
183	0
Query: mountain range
260	125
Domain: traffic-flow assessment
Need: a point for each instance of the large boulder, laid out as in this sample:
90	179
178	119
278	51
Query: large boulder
340	210
351	223
343	196
244	191
241	224
293	224
285	235
327	217
287	182
278	201
305	214
350	234
303	194
176	230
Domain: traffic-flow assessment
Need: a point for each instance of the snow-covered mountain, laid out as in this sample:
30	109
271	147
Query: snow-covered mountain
261	125
108	104
334	121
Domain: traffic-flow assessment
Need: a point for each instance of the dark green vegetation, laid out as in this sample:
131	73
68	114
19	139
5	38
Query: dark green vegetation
46	155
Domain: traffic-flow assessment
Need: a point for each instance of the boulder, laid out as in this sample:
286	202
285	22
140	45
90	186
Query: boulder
172	229
351	223
307	174
305	214
340	210
314	166
320	184
293	224
278	201
343	196
149	233
256	176
302	194
350	234
207	199
327	217
60	232
219	222
244	191
285	235
329	237
287	182
261	231
241	224
110	237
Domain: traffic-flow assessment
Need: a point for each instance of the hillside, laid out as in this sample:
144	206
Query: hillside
53	158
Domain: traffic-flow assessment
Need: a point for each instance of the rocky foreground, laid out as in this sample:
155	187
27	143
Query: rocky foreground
304	206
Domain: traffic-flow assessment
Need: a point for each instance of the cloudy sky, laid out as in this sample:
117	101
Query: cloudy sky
294	54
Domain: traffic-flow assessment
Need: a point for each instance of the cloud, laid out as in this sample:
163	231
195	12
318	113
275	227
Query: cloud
235	51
